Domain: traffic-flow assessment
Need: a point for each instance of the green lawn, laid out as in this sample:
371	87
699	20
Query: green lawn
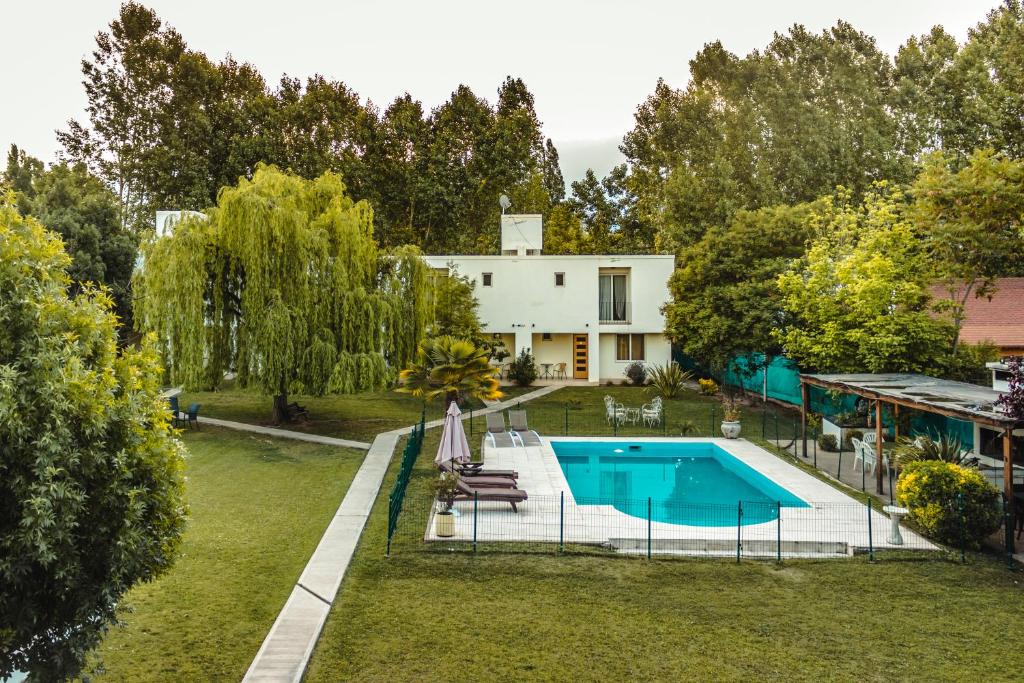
357	416
258	509
518	616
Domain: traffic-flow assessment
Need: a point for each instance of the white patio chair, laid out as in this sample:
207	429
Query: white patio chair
651	413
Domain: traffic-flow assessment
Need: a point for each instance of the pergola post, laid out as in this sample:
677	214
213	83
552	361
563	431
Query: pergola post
879	447
1008	485
805	400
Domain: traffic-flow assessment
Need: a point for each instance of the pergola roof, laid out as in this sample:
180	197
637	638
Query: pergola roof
959	400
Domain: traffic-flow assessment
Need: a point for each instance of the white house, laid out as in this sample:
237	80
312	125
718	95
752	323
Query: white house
596	314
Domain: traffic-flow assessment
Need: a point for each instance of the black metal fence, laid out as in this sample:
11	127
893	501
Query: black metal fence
648	527
413	445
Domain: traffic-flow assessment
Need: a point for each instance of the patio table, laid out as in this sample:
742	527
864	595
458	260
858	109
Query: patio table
546	374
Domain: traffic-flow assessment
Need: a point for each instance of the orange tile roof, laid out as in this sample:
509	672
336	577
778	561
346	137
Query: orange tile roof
999	320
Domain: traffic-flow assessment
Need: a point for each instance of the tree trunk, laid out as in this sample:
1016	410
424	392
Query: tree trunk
450	398
281	413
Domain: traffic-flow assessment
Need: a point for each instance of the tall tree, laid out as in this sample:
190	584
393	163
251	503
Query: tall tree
554	183
91	485
725	304
75	204
971	220
244	289
858	300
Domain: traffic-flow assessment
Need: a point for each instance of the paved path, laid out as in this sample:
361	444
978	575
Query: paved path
285	652
287	433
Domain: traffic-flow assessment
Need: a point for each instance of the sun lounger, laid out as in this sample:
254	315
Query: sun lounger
482	480
517	421
510	496
497	434
473	469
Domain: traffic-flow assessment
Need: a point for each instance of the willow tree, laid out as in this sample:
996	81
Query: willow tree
283	283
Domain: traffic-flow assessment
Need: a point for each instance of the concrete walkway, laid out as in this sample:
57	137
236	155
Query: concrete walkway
285	652
286	433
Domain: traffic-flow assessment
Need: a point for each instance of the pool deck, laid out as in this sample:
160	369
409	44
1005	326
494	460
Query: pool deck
833	524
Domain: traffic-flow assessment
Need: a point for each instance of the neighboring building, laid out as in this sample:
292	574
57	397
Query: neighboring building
999	319
596	314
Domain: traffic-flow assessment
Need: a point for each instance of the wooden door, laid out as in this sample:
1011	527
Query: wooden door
579	356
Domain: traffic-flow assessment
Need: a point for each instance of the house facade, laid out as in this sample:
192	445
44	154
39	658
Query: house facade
597	314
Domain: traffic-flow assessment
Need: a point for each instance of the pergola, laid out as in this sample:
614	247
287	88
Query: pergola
958	400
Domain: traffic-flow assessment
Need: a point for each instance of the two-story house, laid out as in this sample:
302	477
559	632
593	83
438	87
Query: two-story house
596	314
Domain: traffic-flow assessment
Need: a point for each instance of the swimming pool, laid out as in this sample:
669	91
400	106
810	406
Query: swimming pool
697	484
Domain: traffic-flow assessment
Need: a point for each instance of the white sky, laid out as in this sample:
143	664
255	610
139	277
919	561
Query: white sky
588	64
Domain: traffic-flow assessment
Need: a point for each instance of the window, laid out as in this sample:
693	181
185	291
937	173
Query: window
545	336
487	277
510	252
533	252
559	279
613	304
629	347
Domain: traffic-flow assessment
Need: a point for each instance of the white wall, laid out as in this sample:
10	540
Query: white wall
657	351
523	291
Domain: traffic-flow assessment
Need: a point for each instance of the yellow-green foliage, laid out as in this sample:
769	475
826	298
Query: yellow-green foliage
91	488
283	283
708	387
951	503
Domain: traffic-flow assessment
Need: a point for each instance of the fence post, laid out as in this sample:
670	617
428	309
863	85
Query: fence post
615	424
764	418
391	502
711	429
963	537
664	421
739	529
776	414
567	419
471	420
648	527
778	532
1008	526
475	517
891	500
815	448
871	543
561	521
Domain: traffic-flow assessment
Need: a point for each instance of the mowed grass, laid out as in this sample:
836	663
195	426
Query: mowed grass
359	417
427	616
258	509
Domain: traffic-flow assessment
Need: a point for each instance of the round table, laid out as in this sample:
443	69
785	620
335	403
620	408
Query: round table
547	370
895	513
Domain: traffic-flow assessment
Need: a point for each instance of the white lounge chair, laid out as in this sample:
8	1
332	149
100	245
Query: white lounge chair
497	434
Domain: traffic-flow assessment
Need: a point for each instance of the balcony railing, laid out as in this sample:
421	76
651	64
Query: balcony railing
614	311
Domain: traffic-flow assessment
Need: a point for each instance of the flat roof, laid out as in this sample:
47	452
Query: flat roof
959	400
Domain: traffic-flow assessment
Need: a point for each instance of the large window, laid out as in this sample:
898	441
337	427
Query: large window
614	307
629	347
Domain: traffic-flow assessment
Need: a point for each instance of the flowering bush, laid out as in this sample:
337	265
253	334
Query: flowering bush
951	503
708	387
1012	402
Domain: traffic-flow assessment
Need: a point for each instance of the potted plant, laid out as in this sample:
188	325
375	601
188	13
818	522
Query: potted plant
730	418
446	487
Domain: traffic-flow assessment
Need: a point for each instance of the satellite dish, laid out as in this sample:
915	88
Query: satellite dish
505	202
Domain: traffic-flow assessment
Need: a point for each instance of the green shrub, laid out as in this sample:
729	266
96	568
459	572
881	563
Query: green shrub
849	436
828	442
951	503
669	379
524	369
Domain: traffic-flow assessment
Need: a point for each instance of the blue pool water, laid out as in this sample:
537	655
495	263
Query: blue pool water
698	484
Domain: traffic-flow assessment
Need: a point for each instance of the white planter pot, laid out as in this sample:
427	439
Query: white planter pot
730	430
444	524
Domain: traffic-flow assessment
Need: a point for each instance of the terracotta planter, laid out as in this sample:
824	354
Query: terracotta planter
730	430
444	524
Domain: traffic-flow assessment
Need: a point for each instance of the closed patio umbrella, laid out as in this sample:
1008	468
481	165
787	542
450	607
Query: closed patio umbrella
454	445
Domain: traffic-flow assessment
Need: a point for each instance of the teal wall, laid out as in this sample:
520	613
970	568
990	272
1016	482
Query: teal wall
784	386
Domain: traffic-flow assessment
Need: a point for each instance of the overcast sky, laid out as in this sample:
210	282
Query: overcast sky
588	64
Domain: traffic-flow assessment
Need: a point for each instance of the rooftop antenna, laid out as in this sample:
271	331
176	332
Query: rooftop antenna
505	203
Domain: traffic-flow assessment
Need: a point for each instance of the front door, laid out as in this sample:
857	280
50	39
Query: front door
579	356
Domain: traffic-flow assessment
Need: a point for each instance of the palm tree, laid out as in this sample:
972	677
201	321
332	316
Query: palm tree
450	366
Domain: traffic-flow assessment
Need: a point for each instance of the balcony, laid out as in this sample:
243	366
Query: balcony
614	312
